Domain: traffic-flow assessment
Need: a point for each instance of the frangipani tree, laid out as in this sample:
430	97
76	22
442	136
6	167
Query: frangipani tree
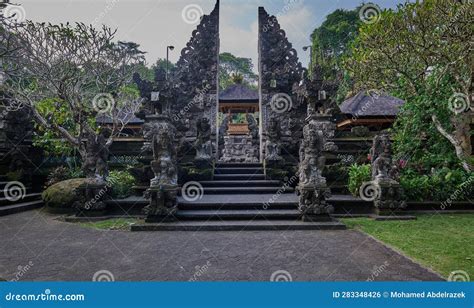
69	74
423	52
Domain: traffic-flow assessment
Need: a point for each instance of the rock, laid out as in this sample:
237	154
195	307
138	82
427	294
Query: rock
62	195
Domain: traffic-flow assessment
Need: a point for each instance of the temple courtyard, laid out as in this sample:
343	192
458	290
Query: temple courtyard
52	250
345	155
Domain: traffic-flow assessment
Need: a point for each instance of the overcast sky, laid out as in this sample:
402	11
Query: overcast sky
154	24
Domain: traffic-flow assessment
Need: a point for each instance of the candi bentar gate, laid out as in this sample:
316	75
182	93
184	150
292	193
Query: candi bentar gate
200	170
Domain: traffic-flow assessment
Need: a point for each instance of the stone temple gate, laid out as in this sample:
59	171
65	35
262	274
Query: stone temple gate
192	93
279	154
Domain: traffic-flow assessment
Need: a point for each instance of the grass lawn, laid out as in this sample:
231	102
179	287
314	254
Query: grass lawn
445	243
111	224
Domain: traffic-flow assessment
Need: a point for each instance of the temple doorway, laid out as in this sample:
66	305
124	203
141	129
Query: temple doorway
239	120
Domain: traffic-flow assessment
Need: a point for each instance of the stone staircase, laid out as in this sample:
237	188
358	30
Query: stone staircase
240	198
28	200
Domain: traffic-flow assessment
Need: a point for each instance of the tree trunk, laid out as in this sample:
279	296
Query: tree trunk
460	139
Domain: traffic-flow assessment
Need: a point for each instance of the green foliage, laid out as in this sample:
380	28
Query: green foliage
58	113
330	41
161	63
16	175
415	135
420	52
69	75
62	195
63	173
358	174
122	224
230	65
442	184
441	242
121	182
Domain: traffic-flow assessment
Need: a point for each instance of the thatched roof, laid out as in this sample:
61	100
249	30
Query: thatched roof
238	92
371	104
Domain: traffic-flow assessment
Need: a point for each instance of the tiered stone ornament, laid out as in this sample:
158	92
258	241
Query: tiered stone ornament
312	188
159	134
388	197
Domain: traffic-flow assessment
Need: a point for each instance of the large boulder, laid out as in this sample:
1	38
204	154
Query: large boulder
61	196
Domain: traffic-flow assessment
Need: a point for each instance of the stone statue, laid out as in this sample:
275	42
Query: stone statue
380	154
272	144
163	189
203	142
312	188
253	128
389	193
96	156
164	154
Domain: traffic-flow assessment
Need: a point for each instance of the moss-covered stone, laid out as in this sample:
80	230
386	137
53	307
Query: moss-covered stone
61	196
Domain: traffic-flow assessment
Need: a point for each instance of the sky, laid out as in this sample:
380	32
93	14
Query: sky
155	24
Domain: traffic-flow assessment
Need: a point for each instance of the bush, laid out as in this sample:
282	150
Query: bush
121	183
358	174
440	185
61	174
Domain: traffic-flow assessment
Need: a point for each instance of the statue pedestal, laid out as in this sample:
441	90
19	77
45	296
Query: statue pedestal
163	205
325	124
91	195
389	197
239	148
312	202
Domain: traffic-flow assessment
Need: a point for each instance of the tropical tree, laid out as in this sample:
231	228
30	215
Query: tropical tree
423	53
69	76
230	65
331	43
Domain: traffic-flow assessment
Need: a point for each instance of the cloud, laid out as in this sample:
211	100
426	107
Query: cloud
154	24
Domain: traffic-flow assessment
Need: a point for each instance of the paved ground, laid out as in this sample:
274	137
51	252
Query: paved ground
42	248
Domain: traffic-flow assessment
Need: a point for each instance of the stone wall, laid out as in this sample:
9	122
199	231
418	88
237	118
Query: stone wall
279	70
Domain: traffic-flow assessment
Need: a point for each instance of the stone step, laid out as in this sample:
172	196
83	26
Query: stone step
20	207
193	206
239	225
239	177
241	183
2	189
238	165
246	190
242	170
26	198
238	214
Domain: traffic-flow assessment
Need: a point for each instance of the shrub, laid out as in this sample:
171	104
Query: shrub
121	183
358	174
62	195
61	174
440	185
